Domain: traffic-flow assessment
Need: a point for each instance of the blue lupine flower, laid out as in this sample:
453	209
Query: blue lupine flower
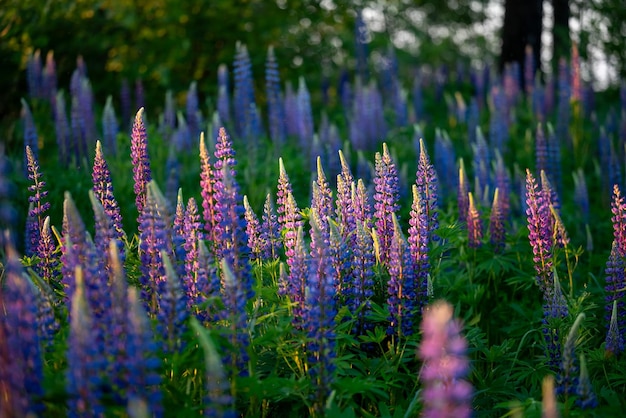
253	230
567	379
427	187
103	191
319	314
270	230
235	299
275	109
194	116
496	224
586	398
418	240
223	100
62	130
172	314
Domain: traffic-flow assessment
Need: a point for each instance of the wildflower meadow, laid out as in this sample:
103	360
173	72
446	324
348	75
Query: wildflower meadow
443	244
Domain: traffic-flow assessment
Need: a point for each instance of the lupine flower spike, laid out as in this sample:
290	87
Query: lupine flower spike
474	224
141	161
386	201
39	206
446	393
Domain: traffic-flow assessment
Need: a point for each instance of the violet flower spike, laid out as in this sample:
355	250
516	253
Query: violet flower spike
386	201
210	213
443	350
103	191
140	159
496	224
474	224
39	207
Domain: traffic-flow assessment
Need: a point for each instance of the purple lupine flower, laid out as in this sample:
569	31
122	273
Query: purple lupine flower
275	110
462	193
443	350
193	235
539	100
567	379
319	314
232	241
46	251
497	231
499	122
555	307
253	230
78	133
539	233
39	206
270	230
223	99
427	187
31	139
168	123
322	200
105	232
207	190
21	360
554	158
402	287
615	288
344	205
173	313
110	127
295	286
103	191
418	247
614	341
235	299
140	159
564	110
586	398
474	224
481	162
386	199
84	380
142	362
618	208
357	296
361	202
284	189
86	109
207	281
153	237
62	130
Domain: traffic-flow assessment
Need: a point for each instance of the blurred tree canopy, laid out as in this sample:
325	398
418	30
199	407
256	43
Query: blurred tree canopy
169	43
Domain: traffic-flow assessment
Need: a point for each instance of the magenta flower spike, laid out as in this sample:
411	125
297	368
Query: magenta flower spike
474	224
539	233
103	191
253	230
210	213
140	159
446	392
386	201
418	246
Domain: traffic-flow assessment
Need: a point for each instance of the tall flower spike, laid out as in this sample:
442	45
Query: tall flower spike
386	198
322	200
223	100
140	159
173	314
361	202
295	287
207	190
103	191
253	230
320	312
21	363
586	398
84	379
46	250
235	313
62	129
142	362
39	206
496	224
104	232
362	289
270	230
195	274
418	246
446	393
474	224
284	189
614	341
427	187
539	233
402	287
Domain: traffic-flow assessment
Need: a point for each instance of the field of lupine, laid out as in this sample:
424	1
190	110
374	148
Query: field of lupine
442	246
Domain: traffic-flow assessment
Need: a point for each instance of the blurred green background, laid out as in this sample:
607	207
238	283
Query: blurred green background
169	43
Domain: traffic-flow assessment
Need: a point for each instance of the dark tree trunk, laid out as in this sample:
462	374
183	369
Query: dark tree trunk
522	27
560	32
